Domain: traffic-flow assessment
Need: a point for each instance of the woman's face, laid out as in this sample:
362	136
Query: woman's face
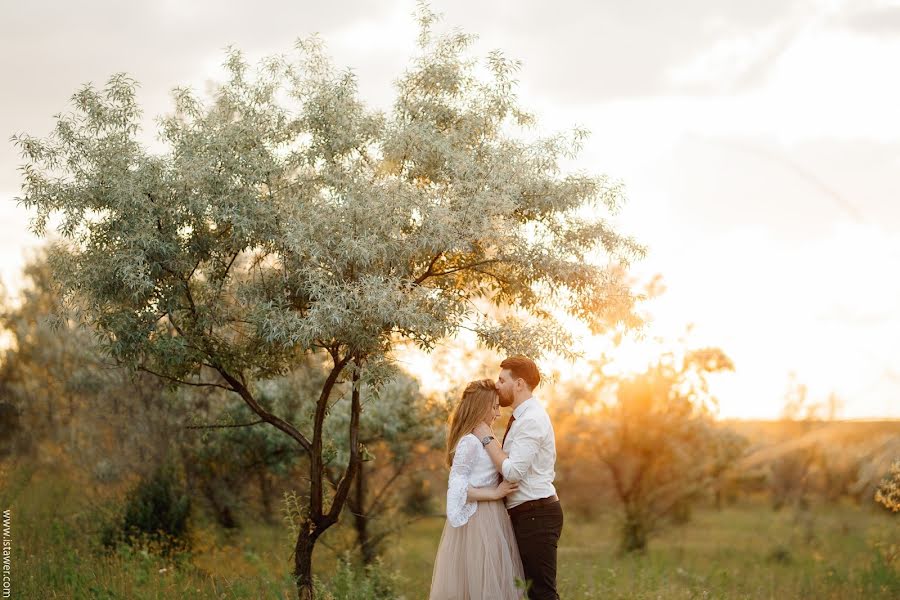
494	412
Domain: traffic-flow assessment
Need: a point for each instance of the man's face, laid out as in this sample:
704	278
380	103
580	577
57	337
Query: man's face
505	387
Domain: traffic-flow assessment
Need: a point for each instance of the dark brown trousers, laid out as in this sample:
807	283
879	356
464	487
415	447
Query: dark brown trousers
537	535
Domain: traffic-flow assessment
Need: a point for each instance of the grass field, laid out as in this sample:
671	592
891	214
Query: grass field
740	552
744	551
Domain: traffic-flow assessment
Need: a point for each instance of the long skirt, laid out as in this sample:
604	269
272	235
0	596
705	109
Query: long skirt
479	560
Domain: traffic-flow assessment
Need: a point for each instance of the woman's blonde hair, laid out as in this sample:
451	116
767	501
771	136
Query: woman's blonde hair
476	402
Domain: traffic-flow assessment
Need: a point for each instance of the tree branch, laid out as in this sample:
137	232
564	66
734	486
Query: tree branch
183	382
381	493
191	274
428	272
379	537
343	489
219	425
490	261
277	422
316	466
225	272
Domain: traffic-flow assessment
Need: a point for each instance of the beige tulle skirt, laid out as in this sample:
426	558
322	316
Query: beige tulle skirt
479	560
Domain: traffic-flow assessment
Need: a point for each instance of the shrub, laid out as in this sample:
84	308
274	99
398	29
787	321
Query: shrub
888	492
155	516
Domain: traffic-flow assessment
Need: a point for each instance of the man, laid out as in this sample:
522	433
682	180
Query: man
527	456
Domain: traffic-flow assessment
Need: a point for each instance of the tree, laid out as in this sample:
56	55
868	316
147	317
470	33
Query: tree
48	369
659	442
792	474
107	420
285	218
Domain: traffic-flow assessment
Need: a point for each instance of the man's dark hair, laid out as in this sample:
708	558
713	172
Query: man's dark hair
523	367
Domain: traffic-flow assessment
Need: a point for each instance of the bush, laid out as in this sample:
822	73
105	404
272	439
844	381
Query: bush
156	514
888	493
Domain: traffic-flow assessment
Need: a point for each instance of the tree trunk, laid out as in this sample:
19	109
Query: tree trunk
318	521
224	515
361	519
634	533
303	550
265	494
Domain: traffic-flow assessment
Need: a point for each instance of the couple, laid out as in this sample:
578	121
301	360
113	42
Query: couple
503	516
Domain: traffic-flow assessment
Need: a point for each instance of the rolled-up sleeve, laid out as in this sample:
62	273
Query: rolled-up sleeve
523	449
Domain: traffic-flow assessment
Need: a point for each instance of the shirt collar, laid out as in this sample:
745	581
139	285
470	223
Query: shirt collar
524	406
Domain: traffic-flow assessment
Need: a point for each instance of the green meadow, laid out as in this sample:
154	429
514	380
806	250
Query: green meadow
742	551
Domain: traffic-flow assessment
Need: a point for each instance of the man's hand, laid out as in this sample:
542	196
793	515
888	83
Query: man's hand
494	448
482	429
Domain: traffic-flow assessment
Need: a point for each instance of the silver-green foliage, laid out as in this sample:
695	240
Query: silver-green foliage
286	216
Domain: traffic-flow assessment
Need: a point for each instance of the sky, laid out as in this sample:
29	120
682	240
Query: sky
758	142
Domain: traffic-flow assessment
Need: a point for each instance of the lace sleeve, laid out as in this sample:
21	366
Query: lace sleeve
458	510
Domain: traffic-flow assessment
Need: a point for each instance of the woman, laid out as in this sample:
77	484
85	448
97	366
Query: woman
477	558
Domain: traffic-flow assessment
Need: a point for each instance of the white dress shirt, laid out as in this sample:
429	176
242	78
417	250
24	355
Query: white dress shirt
472	465
531	449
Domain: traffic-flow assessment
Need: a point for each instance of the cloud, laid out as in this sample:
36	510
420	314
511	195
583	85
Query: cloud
736	62
49	49
582	51
877	18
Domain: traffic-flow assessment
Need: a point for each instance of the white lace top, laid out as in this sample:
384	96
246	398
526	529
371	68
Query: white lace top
471	466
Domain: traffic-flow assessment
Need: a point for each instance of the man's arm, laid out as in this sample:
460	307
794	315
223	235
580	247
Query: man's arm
494	449
514	466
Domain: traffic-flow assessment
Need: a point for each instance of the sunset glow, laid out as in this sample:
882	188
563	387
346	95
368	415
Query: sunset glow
760	151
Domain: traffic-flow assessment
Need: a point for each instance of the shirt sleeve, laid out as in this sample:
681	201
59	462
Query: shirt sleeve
523	449
458	510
